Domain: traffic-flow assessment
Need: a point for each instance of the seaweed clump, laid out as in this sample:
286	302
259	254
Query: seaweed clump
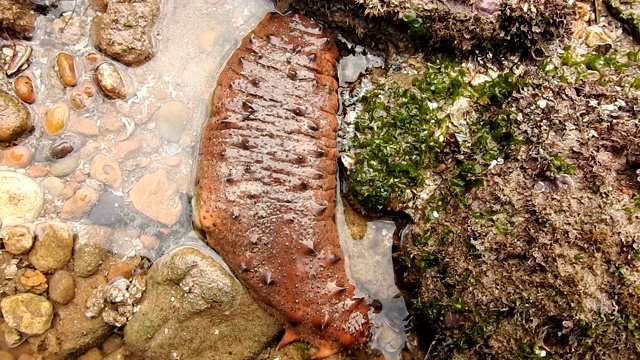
525	201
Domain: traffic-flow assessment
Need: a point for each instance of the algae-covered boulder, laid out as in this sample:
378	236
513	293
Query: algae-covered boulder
195	308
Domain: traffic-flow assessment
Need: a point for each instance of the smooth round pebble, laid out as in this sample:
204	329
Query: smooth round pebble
56	119
171	120
21	198
53	185
28	313
62	287
64	167
23	86
17	239
60	149
67	69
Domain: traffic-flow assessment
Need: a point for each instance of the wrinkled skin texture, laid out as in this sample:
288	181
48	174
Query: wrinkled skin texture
267	181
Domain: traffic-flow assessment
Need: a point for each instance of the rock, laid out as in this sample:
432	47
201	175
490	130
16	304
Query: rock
28	313
92	354
90	250
123	149
61	148
194	307
111	81
84	126
14	118
113	343
53	247
74	332
56	119
157	197
121	269
23	87
32	281
37	171
17	239
62	287
17	18
109	210
17	156
106	171
53	186
64	167
5	355
123	31
171	120
79	204
66	66
21	198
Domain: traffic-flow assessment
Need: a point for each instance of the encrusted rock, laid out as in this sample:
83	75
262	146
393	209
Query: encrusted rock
28	313
17	239
195	307
53	247
157	197
79	204
123	31
32	281
17	17
21	198
14	118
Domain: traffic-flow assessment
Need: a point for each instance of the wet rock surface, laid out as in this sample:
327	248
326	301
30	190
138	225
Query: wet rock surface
124	30
53	246
17	17
14	118
28	313
194	307
21	198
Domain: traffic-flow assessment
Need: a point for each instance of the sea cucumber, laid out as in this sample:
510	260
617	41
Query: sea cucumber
267	181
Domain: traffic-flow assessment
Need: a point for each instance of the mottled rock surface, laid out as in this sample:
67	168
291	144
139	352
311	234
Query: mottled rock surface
53	247
28	313
124	30
17	17
21	198
14	118
194	307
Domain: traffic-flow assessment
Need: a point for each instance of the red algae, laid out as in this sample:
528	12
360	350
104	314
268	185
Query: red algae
267	184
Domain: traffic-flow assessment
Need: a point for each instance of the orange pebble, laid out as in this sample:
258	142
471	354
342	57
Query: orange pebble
17	156
23	87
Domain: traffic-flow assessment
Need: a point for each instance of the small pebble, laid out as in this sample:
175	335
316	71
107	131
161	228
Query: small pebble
111	81
84	126
92	354
79	204
53	186
64	167
37	171
157	197
124	270
17	156
67	69
23	86
28	313
171	120
60	149
56	119
62	287
17	239
106	171
53	246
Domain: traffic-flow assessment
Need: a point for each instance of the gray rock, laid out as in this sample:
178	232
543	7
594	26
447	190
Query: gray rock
194	307
28	313
53	247
21	198
171	120
14	118
64	167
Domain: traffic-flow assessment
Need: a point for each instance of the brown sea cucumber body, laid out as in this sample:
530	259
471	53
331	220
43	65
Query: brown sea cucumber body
267	181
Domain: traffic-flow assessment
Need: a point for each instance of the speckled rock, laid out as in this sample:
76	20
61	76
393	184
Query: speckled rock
62	287
28	313
106	171
123	31
21	198
111	81
90	249
14	118
17	239
157	197
193	306
53	247
17	17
